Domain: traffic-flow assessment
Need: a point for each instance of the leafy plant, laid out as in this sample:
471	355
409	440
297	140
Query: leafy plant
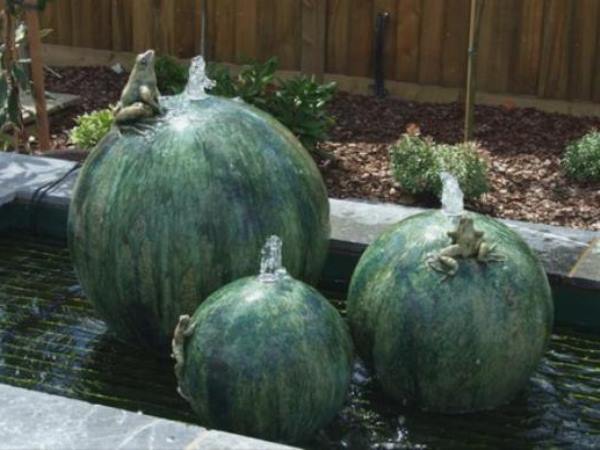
581	161
91	128
417	162
171	75
299	103
252	84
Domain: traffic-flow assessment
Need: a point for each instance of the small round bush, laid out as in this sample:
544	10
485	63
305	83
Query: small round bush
581	161
417	163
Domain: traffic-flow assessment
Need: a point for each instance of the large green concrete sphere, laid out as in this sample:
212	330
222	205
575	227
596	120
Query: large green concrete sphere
161	219
267	359
466	343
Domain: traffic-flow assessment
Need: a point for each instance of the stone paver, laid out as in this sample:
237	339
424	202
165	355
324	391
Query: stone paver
32	420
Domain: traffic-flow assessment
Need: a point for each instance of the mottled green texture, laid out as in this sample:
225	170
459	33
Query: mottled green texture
271	360
160	221
464	344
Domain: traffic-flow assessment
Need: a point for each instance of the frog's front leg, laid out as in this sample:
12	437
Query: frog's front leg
134	112
487	253
445	262
149	97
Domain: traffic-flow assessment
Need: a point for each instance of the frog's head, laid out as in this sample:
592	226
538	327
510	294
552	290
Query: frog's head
144	62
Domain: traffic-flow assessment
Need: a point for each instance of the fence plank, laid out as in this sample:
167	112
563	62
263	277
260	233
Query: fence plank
554	67
528	47
246	20
360	39
225	24
337	35
288	33
455	43
584	52
432	34
314	23
408	25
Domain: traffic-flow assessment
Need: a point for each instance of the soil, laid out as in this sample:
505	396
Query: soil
523	147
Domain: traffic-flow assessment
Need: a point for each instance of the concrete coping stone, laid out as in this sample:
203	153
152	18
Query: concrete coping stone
355	224
35	420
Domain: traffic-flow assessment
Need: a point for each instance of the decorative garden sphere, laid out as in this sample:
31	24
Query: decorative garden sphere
167	211
264	356
454	318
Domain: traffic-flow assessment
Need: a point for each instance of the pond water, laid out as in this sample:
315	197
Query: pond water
51	341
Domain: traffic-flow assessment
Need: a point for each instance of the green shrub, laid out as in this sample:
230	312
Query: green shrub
91	128
417	163
582	158
171	75
299	103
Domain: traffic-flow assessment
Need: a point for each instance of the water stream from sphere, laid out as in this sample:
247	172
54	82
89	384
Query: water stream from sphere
271	267
452	196
198	82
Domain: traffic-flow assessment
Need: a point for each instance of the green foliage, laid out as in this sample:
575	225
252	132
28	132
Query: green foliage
13	76
299	103
91	128
252	84
417	163
581	161
171	75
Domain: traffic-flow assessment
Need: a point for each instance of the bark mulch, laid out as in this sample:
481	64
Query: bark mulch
523	147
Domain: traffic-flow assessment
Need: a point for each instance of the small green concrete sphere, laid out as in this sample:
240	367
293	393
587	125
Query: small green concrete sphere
271	360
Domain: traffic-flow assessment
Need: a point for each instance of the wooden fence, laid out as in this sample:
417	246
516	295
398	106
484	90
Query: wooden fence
545	48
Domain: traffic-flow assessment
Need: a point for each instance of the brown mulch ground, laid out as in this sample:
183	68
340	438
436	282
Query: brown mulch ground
522	145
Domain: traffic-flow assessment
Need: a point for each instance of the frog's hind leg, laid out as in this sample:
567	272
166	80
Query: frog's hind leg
487	253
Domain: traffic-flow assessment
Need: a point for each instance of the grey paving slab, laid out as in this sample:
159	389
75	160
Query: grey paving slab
361	222
31	420
588	265
217	440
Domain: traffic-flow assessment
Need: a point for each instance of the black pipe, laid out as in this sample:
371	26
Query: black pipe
379	74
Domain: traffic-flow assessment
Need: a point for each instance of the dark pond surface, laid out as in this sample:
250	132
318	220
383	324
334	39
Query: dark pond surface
51	341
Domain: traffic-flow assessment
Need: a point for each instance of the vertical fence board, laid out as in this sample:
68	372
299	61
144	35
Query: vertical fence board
554	68
431	37
360	40
122	22
528	47
266	30
456	42
498	55
288	33
314	23
245	39
584	52
225	24
408	30
337	35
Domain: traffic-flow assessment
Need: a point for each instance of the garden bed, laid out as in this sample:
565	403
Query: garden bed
522	145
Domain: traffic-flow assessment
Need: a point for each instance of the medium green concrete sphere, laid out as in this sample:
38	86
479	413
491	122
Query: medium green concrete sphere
457	343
